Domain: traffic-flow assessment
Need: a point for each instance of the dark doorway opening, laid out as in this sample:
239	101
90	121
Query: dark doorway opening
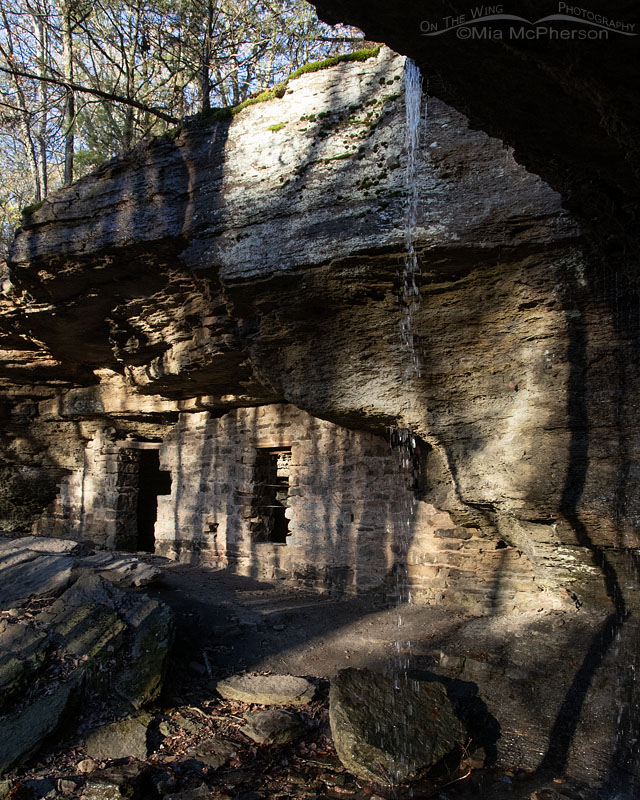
271	495
152	481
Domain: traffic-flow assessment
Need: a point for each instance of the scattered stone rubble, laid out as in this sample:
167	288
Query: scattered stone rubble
82	663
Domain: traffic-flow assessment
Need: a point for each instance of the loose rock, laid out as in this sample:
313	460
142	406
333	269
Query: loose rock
267	690
101	791
388	730
273	726
124	739
213	753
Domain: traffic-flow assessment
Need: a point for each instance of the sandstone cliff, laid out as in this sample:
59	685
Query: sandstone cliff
258	261
226	300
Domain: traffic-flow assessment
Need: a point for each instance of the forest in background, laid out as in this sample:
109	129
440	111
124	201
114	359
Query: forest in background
84	80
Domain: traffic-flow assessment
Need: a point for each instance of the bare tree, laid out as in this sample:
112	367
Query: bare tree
82	80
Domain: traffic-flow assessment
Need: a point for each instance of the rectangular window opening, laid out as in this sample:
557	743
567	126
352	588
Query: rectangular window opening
271	495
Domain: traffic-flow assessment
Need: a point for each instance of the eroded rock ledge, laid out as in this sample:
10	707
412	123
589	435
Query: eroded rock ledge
257	263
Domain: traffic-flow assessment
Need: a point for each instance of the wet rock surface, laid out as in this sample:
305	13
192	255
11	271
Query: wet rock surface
390	729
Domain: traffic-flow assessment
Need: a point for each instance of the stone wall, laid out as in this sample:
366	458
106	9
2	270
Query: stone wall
97	503
357	507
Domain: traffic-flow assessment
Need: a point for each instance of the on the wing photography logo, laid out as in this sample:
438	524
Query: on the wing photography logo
492	23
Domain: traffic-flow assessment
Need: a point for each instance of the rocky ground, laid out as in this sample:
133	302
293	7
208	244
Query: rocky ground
192	742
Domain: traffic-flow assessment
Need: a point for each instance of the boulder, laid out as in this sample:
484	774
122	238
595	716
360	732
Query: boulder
22	651
118	641
39	567
130	632
273	726
24	729
388	730
212	753
42	544
126	738
267	690
150	630
123	570
28	574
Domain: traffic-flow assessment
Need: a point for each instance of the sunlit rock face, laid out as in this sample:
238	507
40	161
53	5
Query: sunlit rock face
564	98
257	262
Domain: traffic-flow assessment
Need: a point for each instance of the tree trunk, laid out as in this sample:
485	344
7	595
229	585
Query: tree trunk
205	66
40	32
70	103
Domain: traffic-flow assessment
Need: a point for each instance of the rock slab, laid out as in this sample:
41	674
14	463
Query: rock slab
124	739
267	690
389	730
105	642
24	730
272	726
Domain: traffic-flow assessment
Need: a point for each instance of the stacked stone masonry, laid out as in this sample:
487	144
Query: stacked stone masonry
355	518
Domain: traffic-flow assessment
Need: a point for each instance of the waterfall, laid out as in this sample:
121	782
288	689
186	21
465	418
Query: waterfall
402	439
410	293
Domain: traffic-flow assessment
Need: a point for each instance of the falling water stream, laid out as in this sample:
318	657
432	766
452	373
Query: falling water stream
402	440
410	294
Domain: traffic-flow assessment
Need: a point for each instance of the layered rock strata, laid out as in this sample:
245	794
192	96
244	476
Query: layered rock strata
258	261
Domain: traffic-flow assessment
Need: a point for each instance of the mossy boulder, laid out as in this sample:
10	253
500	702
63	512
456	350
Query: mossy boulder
24	729
126	738
102	642
389	730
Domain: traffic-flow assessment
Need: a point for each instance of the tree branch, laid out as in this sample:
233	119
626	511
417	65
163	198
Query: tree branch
115	98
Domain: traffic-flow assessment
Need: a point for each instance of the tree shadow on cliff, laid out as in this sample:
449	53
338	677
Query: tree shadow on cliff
134	236
623	302
580	409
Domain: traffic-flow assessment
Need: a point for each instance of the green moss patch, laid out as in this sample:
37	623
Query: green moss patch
27	211
278	127
278	91
341	157
327	63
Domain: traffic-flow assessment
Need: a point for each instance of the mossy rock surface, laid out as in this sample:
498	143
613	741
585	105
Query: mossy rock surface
124	739
389	730
25	728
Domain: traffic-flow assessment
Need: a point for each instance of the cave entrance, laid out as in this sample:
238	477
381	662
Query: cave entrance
152	482
271	495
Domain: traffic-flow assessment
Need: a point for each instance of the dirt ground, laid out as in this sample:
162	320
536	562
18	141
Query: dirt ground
229	623
499	672
242	624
